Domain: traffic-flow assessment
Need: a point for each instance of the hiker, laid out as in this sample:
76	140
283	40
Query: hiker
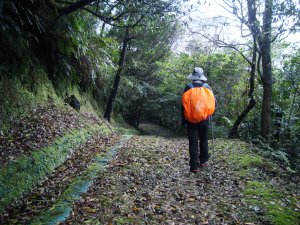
198	104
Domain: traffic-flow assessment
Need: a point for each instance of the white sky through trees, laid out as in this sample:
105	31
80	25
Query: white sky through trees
210	18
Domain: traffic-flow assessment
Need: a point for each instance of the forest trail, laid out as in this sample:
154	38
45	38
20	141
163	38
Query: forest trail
67	64
130	179
149	183
154	129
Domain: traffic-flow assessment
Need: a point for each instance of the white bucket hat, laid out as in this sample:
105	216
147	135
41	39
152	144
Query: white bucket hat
197	74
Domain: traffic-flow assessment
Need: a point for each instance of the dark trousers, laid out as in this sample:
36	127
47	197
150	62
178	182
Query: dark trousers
198	136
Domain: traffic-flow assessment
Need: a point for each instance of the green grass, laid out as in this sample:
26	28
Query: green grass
279	208
247	161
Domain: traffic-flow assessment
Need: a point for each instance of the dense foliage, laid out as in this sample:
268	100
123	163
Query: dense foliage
80	50
226	75
52	49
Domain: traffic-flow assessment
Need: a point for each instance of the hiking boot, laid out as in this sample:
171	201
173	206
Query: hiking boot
194	170
203	165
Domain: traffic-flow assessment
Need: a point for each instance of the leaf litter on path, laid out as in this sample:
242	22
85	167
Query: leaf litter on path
39	129
149	183
47	192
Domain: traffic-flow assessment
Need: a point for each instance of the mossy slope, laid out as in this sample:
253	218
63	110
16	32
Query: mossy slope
278	207
275	200
20	175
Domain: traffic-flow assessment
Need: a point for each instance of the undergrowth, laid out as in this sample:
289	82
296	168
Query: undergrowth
262	194
279	208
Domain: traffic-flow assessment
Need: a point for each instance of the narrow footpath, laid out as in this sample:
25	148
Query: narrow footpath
144	179
149	183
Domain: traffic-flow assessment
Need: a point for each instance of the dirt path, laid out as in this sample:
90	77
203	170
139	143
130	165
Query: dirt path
154	129
150	183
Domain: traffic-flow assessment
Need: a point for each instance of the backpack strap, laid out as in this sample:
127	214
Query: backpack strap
191	85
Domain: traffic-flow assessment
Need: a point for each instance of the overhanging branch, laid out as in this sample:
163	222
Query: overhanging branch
75	6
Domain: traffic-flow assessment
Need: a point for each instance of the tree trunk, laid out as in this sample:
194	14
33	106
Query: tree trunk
264	42
266	71
252	102
278	124
113	94
253	69
138	117
139	109
266	111
233	131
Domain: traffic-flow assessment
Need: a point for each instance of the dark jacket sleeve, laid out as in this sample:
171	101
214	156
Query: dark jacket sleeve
183	120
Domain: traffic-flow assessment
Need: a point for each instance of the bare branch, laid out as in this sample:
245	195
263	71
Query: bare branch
281	31
223	44
220	43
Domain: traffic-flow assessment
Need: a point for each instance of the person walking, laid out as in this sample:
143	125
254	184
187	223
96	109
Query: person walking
198	104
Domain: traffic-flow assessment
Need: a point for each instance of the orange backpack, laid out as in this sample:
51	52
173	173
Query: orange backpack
198	103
